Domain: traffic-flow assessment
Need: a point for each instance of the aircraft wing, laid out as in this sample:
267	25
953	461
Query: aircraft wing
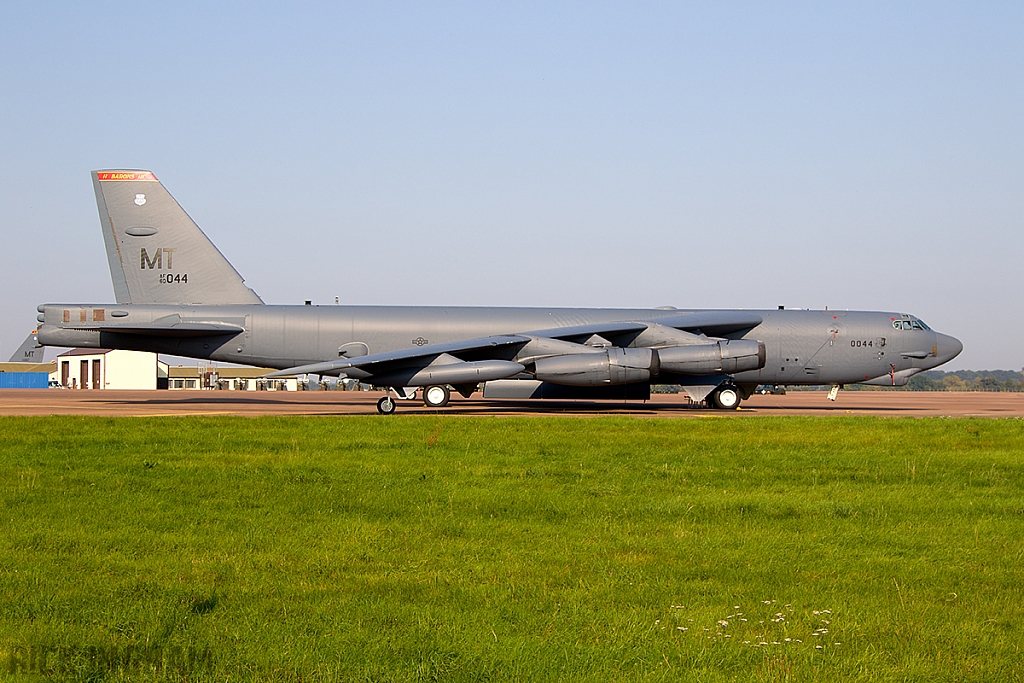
492	356
580	333
480	350
711	323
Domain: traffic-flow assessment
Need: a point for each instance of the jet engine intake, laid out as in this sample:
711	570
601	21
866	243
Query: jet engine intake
612	366
726	356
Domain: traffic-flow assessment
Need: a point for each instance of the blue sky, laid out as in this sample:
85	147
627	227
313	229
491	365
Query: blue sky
733	155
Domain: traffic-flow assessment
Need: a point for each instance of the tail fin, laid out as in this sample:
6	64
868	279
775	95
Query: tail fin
157	254
30	351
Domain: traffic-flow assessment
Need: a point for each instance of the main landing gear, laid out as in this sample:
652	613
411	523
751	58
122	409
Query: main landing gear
436	396
725	397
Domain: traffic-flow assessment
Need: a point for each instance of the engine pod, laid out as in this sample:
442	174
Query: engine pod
611	366
728	356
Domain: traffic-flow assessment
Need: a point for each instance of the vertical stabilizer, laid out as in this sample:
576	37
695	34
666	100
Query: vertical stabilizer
157	254
30	351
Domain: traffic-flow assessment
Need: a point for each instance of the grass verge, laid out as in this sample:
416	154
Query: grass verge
434	548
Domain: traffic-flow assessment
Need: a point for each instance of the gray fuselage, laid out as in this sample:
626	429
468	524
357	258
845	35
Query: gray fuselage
802	346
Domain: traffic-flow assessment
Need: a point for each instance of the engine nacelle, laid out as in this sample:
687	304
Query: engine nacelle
726	356
610	366
448	373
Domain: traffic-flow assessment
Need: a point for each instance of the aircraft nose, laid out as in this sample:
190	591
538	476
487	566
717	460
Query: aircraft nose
947	347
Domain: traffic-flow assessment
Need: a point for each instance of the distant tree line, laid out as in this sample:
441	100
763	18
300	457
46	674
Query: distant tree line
937	380
967	380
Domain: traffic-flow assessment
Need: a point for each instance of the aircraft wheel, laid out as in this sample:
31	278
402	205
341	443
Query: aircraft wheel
726	397
386	405
436	396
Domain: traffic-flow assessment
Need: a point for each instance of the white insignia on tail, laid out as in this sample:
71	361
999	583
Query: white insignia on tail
140	199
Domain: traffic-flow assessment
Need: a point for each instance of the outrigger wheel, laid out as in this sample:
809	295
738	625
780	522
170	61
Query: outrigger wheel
386	405
436	396
726	397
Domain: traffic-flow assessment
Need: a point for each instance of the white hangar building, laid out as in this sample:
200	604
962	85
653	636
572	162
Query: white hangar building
134	370
108	369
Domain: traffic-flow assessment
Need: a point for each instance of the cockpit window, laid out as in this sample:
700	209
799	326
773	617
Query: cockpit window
909	325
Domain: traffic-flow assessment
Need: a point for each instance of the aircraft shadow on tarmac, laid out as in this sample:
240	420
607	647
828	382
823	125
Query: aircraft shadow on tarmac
245	400
531	407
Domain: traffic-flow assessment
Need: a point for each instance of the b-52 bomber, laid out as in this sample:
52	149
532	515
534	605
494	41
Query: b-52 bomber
177	294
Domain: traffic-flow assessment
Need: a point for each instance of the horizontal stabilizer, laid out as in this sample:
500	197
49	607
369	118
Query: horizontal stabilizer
175	330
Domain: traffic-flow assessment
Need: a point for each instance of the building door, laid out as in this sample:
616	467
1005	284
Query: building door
65	372
96	374
83	379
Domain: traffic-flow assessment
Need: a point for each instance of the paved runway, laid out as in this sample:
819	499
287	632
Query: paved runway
141	403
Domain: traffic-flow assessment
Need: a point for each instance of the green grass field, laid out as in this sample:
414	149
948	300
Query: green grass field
438	548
